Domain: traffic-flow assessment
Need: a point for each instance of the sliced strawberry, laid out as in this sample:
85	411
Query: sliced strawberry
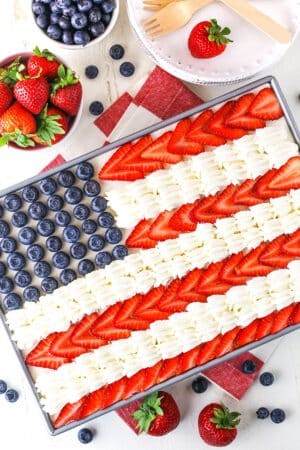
292	245
62	344
265	105
198	131
93	403
82	335
210	282
182	219
189	359
151	375
180	144
273	255
224	203
114	392
169	301
204	212
244	194
295	315
208	351
216	124
111	169
134	384
288	176
262	190
123	175
139	237
264	326
170	368
229	273
40	356
188	288
132	160
158	150
246	334
70	412
239	116
282	319
105	328
227	342
147	309
125	317
160	229
251	266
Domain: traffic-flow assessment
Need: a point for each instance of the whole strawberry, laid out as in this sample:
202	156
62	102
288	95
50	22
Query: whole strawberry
207	39
32	93
42	63
17	125
158	414
52	125
6	97
217	425
66	91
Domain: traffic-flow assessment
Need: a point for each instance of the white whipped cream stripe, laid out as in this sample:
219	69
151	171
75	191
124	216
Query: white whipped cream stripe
168	338
141	271
202	175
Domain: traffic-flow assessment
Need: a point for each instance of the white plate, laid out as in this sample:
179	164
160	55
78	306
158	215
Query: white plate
251	52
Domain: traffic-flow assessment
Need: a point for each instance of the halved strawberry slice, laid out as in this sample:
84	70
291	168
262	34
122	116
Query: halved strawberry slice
132	160
134	384
158	150
288	176
204	212
62	344
151	375
208	350
265	105
182	219
170	302
224	203
188	288
198	131
125	317
251	266
246	334
70	412
245	195
82	335
160	229
292	245
40	356
282	319
147	309
111	169
229	273
216	124
239	116
210	282
273	254
295	315
104	326
94	403
180	144
262	189
189	359
114	392
227	342
170	368
139	237
264	326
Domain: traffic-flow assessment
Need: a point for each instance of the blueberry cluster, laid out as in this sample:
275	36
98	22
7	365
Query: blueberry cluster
73	22
11	395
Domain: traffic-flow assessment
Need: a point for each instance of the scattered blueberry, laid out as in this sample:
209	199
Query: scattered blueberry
81	37
23	278
67	37
85	435
94	15
106	220
16	261
19	219
37	210
113	235
67	276
54	32
89	226
49	285
11	395
119	251
12	301
4	229
266	378
48	186
42	21
116	51
91	72
107	6
96	108
96	243
53	244
35	252
3	386
127	69
103	259
66	178
84	171
55	203
61	260
31	294
12	202
45	227
38	8
96	29
277	415
73	195
1	211
91	188
42	269
262	413
6	285
85	266
81	212
8	245
78	250
30	194
62	218
27	235
99	204
200	385
71	234
2	269
79	21
249	366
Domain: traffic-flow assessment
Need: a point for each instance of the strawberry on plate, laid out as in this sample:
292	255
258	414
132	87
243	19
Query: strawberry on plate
207	39
217	425
6	97
66	91
42	62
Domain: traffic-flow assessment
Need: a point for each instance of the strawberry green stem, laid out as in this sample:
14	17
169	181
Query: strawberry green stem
216	34
148	411
224	419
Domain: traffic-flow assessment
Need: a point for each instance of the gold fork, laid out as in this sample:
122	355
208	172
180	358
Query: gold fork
155	5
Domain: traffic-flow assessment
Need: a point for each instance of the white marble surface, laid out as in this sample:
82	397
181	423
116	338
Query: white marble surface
21	423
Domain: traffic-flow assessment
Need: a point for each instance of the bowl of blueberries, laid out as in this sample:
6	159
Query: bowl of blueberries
75	23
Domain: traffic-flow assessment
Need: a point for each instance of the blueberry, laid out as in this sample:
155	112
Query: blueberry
30	194
31	294
277	415
127	69
85	171
85	435
47	2
81	37
2	269
48	186
1	211
107	6
54	18
262	413
11	395
61	260
12	202
89	226
84	5
54	8
49	285
12	301
63	3
16	261
68	11
67	38
91	72
45	227
81	212
73	195
62	218
55	203
85	266
27	235
4	229
106	18
64	23
66	178
94	15
35	252
266	378
103	259
42	269
53	244
96	243
6	285
38	8
3	386
23	278
96	29
43	21
119	252
79	21
67	276
91	188
249	366
37	210
99	204
19	219
8	245
106	220
116	51
54	32
96	108
113	235
71	234
200	385
78	250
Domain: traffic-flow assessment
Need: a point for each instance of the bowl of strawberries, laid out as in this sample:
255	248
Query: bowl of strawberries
40	100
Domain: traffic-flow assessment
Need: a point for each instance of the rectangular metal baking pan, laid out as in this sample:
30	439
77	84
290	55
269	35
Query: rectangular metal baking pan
269	80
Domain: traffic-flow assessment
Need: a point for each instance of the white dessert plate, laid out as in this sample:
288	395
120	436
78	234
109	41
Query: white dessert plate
251	52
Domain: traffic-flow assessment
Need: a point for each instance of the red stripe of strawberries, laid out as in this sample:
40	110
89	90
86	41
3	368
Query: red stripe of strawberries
139	311
234	198
144	379
231	121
